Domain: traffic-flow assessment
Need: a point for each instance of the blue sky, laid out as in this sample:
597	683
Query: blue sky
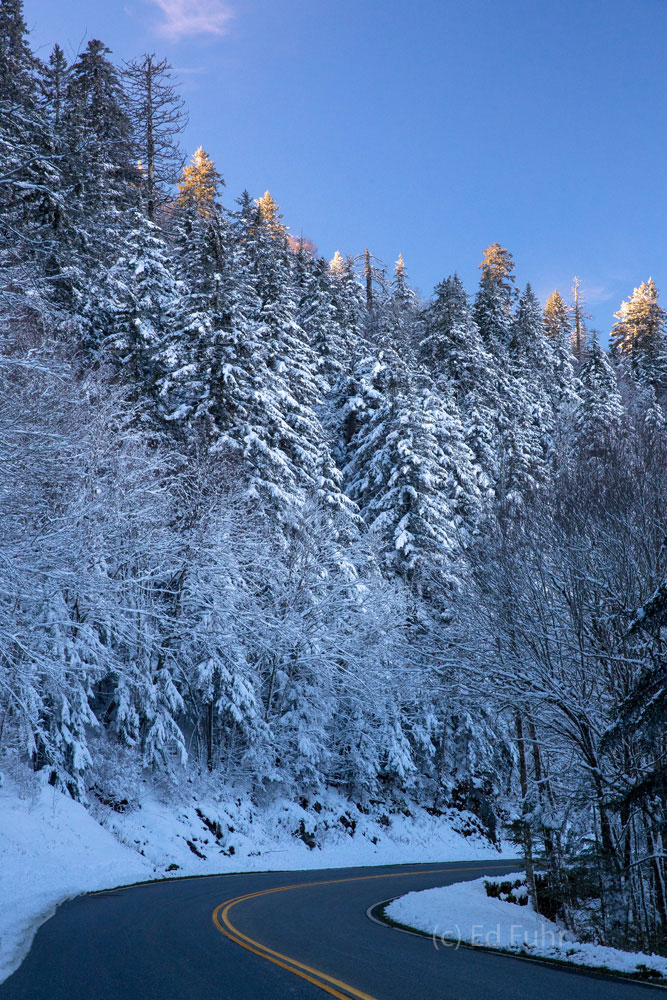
431	127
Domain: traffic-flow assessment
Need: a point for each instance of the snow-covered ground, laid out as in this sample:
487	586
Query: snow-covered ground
52	848
464	913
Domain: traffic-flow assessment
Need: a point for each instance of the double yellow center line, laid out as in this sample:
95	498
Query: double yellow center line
335	987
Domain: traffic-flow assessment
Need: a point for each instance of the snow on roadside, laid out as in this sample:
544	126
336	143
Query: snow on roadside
238	835
463	913
52	848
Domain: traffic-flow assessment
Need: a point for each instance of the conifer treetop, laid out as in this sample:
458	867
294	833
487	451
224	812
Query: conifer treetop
639	318
337	264
16	58
497	268
556	316
270	214
639	334
199	183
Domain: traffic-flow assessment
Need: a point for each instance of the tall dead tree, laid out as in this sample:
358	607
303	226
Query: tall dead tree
579	316
158	118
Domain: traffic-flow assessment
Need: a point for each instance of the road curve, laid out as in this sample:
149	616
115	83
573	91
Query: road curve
274	935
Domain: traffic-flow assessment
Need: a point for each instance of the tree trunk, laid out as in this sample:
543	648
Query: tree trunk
527	834
540	781
150	139
368	274
209	735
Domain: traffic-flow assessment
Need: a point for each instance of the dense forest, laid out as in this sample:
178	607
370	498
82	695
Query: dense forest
275	518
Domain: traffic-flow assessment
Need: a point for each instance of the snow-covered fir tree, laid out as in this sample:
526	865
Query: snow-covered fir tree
598	417
639	335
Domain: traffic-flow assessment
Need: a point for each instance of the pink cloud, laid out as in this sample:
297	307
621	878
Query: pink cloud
186	18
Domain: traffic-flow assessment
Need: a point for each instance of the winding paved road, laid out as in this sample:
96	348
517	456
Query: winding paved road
251	937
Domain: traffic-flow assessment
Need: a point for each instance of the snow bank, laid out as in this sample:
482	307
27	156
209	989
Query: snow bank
52	848
236	834
463	913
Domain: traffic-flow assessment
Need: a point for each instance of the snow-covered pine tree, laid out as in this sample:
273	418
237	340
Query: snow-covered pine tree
414	481
355	398
199	184
68	652
270	215
131	308
17	62
451	350
496	298
318	317
103	180
645	421
31	186
398	321
530	349
53	82
285	363
98	118
348	294
558	327
195	354
598	420
67	261
216	608
557	319
533	357
640	336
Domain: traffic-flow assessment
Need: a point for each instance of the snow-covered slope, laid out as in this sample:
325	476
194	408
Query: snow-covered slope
52	848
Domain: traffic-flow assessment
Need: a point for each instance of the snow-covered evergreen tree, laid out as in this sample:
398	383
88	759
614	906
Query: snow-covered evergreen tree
399	321
558	328
639	335
31	183
131	307
495	299
452	351
413	478
598	417
319	318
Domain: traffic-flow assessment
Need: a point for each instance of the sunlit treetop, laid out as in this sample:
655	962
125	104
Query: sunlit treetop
639	321
337	264
301	244
400	269
497	268
400	283
199	183
270	214
556	315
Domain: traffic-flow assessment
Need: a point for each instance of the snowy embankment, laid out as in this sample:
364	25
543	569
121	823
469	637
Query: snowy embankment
464	914
52	848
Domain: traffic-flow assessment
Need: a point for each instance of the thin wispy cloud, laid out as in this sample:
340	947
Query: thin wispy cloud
597	293
592	293
189	18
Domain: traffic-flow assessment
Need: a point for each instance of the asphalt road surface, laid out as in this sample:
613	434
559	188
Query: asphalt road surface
251	937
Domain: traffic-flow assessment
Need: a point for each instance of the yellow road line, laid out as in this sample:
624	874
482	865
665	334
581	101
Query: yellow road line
320	979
